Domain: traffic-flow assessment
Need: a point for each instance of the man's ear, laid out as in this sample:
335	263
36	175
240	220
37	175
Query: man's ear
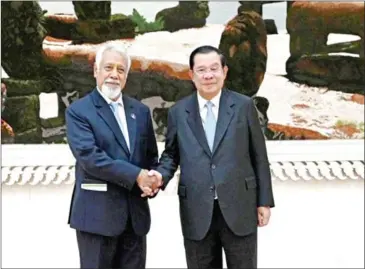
95	70
191	75
225	71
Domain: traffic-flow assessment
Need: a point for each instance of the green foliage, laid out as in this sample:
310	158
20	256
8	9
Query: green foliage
97	31
3	95
202	10
361	126
143	26
22	34
20	87
354	124
358	127
186	15
118	16
22	113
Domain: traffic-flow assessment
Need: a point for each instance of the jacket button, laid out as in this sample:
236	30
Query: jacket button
213	166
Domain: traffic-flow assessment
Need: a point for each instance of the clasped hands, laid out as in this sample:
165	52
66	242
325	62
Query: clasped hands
149	182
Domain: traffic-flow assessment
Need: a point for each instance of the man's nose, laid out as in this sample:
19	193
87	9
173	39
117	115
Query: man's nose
208	75
114	73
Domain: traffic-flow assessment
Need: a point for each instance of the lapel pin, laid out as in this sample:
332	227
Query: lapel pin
133	116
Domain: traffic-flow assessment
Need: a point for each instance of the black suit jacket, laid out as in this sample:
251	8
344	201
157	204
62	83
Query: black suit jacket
102	158
237	169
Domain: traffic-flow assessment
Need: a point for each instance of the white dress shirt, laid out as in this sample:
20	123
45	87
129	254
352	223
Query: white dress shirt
121	113
203	111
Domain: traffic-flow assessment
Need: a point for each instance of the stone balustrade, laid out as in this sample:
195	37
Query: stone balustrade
318	220
289	160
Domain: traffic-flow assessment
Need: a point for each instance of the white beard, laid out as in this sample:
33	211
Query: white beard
111	93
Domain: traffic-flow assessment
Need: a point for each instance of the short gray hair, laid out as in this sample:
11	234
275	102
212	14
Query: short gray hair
112	46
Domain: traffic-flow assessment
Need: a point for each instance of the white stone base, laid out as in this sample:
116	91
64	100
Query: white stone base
315	224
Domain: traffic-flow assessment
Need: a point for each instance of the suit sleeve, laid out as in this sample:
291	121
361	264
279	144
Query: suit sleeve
94	160
259	159
151	154
152	150
170	159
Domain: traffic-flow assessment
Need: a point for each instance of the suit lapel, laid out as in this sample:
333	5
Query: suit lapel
224	118
131	117
195	123
107	115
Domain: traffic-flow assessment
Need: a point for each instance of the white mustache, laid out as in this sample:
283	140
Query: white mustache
112	82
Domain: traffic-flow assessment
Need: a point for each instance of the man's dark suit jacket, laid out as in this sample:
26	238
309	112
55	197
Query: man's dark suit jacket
237	169
102	156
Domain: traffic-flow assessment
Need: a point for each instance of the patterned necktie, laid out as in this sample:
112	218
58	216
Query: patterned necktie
210	124
114	106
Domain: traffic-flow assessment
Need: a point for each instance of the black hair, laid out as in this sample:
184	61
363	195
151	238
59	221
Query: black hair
204	50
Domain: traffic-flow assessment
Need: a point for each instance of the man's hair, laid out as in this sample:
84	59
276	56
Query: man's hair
205	50
112	46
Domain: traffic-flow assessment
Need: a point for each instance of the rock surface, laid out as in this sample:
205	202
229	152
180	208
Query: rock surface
315	62
187	14
243	41
94	31
338	72
92	10
22	34
159	77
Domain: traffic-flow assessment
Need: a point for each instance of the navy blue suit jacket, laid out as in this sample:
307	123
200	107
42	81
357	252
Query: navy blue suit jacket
102	157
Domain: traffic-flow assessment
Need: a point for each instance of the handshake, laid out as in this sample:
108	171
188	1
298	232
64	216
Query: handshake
149	182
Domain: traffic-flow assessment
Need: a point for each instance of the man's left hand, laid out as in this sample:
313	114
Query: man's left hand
263	214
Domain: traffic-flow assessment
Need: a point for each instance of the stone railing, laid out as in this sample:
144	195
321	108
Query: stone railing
317	222
294	160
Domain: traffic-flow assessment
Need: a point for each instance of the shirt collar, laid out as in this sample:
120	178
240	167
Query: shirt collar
109	101
215	100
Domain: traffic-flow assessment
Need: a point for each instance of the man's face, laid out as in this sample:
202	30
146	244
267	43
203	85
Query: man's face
111	76
208	74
